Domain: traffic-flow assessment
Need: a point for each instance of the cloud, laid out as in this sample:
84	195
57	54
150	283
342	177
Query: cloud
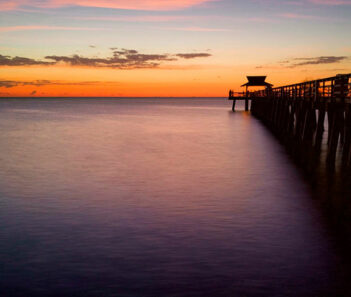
331	2
193	55
299	16
309	2
21	61
8	5
299	62
318	60
38	83
196	29
15	83
174	18
116	4
138	18
309	17
7	84
120	59
50	28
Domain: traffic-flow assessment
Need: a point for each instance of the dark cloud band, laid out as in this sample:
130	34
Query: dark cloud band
319	60
193	55
120	59
20	61
39	83
299	62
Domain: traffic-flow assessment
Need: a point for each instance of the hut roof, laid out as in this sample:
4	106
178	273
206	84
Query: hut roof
257	81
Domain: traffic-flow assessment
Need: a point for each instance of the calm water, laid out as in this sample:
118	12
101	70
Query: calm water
162	197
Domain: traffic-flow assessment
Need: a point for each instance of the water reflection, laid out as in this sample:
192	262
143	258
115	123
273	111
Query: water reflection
154	198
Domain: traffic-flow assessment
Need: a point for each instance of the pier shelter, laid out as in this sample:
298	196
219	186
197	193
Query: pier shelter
252	81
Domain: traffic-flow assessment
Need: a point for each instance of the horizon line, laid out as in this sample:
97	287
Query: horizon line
112	97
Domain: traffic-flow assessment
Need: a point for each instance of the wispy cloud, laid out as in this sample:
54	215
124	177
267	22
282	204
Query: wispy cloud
305	61
331	2
139	18
317	60
49	28
173	18
193	55
306	2
120	59
117	4
299	16
256	20
123	59
21	61
38	83
196	29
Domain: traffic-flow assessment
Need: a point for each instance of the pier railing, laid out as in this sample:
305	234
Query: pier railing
237	95
328	88
300	114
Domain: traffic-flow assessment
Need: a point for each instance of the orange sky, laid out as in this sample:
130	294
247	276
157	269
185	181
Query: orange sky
169	47
82	81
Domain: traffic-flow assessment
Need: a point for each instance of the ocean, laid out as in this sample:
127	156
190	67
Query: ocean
155	197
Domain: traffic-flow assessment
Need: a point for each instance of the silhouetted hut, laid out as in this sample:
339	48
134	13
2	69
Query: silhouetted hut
254	81
257	81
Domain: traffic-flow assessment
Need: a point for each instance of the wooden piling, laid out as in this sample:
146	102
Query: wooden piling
334	133
246	104
233	107
346	154
320	129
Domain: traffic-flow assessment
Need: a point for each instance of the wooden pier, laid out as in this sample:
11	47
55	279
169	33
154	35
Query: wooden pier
300	114
253	81
239	96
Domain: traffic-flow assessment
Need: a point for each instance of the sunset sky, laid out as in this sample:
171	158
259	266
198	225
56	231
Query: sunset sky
167	47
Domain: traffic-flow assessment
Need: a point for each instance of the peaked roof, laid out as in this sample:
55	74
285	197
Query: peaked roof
257	81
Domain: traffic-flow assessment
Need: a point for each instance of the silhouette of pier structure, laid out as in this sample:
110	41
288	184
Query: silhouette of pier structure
299	114
253	81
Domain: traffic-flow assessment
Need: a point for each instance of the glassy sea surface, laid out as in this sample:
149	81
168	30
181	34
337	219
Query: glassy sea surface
155	197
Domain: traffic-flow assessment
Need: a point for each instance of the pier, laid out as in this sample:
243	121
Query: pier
300	114
253	81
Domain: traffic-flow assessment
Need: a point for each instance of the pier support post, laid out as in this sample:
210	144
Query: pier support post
320	129
336	120
310	123
246	104
233	107
247	100
346	154
291	124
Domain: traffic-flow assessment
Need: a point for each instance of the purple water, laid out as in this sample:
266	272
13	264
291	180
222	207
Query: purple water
154	197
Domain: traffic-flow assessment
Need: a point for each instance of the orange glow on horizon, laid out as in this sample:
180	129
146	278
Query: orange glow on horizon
68	81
